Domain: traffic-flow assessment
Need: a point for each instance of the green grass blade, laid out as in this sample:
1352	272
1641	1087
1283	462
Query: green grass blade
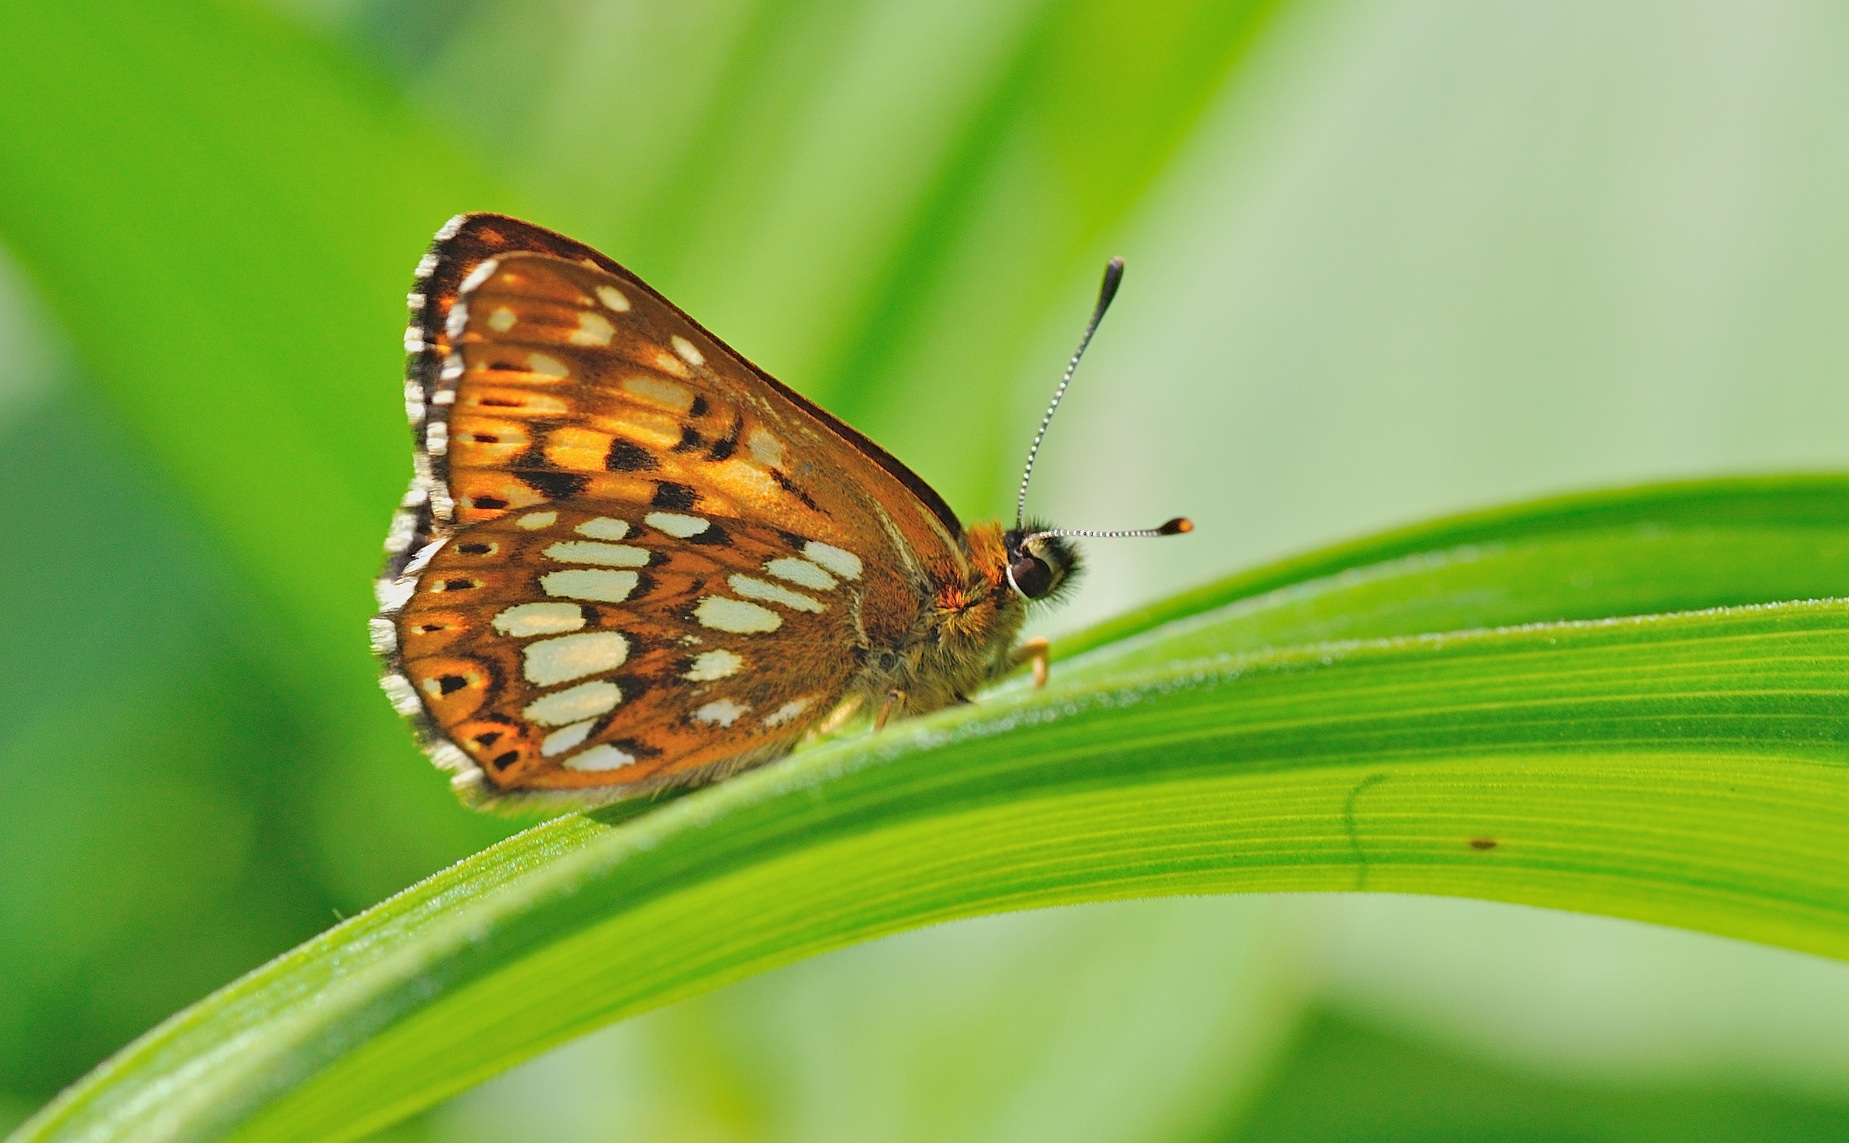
1633	551
1683	769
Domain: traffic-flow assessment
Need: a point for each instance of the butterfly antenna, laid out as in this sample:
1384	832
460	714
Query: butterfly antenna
1173	527
1113	277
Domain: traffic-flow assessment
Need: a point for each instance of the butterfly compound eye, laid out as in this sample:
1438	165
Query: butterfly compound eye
1031	576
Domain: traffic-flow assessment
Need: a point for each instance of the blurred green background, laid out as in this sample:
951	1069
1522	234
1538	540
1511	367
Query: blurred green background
1386	260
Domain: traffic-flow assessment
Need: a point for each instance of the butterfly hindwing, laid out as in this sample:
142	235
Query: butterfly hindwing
567	649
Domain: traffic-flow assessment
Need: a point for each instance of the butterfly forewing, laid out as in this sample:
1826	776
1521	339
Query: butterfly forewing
628	557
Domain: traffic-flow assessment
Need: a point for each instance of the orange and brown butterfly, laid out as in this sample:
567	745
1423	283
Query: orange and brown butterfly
629	559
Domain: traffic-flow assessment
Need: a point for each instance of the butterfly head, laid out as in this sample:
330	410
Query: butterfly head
1041	565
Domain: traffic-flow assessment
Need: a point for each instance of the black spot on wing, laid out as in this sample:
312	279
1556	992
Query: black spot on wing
789	486
714	535
726	445
674	497
636	748
628	456
691	440
556	485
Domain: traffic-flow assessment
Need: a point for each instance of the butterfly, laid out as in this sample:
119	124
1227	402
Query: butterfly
630	560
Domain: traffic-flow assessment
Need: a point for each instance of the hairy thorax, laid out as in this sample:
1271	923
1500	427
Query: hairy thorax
962	638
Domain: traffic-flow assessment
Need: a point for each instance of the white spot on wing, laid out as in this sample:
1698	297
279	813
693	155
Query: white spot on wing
720	712
767	449
450	229
689	353
583	583
603	528
613	297
525	619
423	557
501	320
426	266
570	657
448	757
534	521
736	616
801	572
586	552
547	366
384	635
479	275
675	524
788	711
413	339
844	564
393	594
711	665
587	700
676	397
403	531
604	757
403	696
563	739
594	329
758	589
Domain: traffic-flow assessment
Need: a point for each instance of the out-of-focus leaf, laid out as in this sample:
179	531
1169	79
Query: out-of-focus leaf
1347	1083
224	214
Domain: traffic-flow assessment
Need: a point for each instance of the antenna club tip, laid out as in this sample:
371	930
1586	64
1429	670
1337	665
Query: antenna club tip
1176	527
1113	277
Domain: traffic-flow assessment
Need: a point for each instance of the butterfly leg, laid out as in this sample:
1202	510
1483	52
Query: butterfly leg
894	700
1034	651
839	717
